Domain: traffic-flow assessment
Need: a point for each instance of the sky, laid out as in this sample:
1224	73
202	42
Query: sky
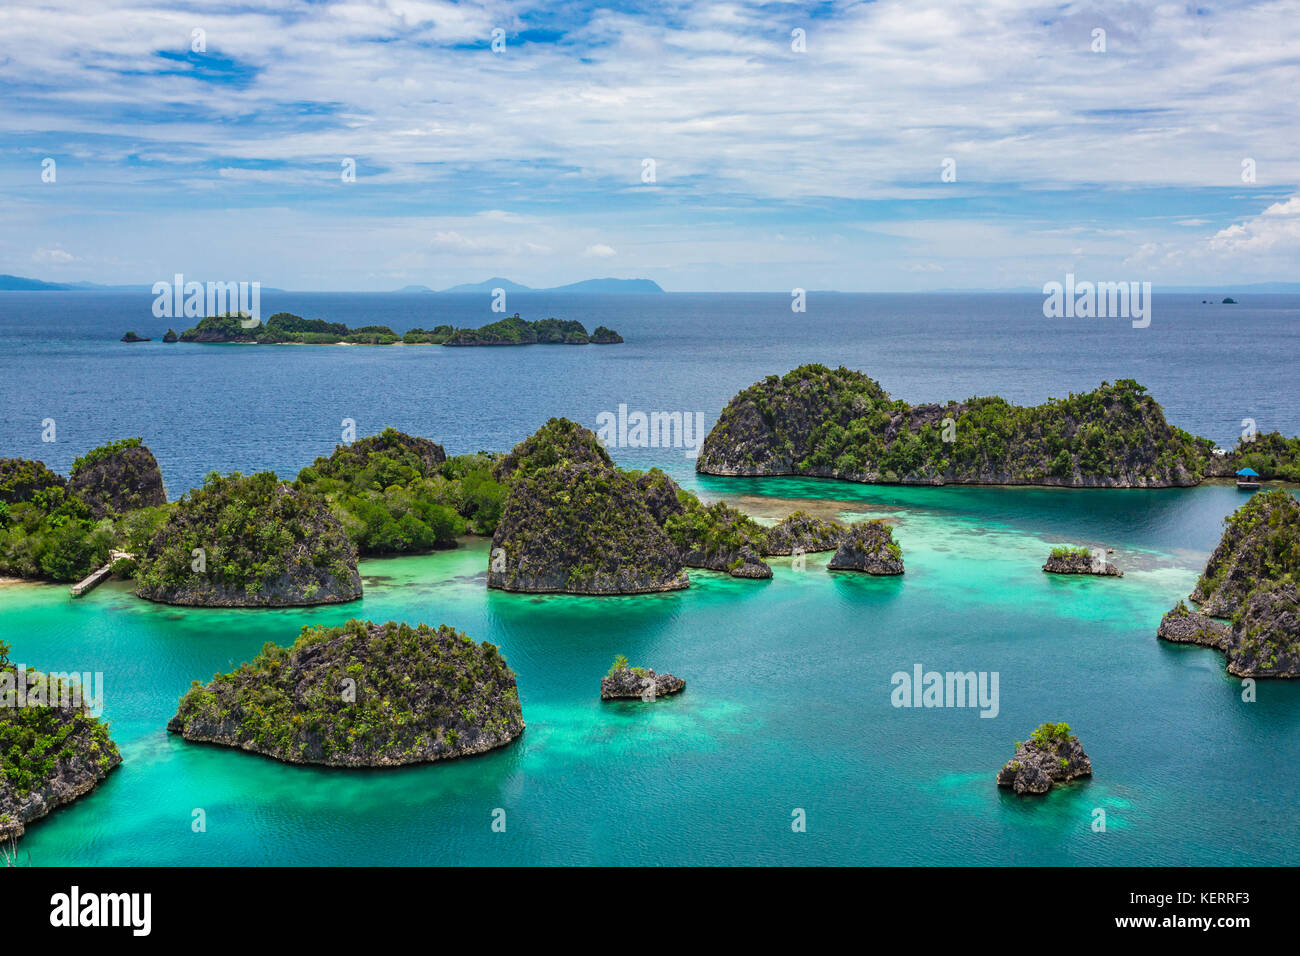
711	146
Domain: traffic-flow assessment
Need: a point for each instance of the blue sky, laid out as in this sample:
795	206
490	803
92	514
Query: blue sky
774	168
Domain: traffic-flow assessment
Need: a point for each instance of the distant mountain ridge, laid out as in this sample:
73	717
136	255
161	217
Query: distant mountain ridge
12	283
586	286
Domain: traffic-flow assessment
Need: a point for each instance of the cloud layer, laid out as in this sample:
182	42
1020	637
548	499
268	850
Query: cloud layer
792	144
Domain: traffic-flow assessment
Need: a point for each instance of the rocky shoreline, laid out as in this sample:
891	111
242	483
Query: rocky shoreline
1076	563
360	695
1249	579
868	547
54	753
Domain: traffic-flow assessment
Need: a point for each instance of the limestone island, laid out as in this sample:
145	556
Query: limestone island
1270	455
249	541
1067	560
171	337
54	751
623	682
132	337
1249	586
869	547
360	695
573	523
838	423
1050	756
56	529
285	328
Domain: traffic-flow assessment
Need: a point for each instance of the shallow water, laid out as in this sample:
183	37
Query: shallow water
788	705
788	699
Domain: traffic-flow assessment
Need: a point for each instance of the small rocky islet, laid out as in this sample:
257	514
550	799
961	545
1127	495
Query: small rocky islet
51	753
802	533
285	328
1079	560
1247	602
360	695
641	683
573	523
1051	756
869	547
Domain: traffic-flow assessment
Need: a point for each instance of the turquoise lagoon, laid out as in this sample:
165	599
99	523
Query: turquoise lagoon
787	706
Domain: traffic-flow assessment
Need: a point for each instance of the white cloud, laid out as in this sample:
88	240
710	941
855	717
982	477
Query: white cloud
52	256
734	118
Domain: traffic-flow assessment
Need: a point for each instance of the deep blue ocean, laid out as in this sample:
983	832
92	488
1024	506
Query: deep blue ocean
788	703
249	408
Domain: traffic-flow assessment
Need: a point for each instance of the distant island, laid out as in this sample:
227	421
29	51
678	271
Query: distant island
285	328
585	287
11	283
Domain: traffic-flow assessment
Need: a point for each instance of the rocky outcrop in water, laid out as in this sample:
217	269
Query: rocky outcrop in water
50	754
1051	756
804	533
573	523
361	695
868	546
638	682
1081	562
1184	626
747	564
171	337
117	477
839	423
249	542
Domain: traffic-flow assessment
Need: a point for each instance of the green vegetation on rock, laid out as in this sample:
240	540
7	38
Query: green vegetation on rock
51	753
1250	578
558	442
243	541
118	477
574	523
1260	543
840	424
47	530
285	328
396	493
360	695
